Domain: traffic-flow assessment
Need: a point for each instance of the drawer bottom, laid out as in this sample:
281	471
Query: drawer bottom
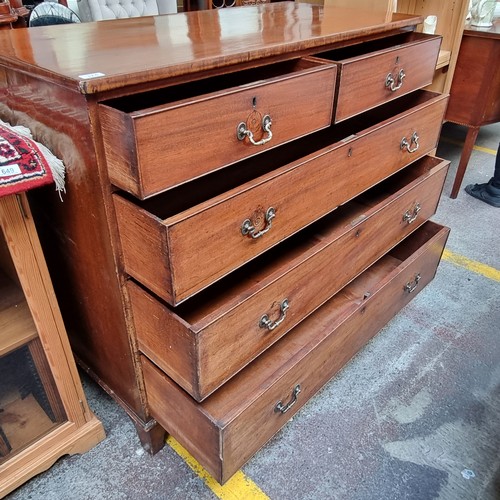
232	424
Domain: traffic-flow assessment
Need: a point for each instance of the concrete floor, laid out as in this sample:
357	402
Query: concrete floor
415	415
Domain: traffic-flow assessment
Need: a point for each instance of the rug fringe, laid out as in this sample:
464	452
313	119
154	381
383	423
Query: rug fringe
55	164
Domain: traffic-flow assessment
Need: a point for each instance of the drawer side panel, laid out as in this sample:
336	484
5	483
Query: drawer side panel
144	245
181	416
159	330
121	149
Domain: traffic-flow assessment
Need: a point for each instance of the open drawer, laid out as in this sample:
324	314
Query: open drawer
232	424
378	71
159	139
208	339
178	243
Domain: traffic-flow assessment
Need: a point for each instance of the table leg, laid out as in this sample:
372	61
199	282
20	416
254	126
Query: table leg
470	140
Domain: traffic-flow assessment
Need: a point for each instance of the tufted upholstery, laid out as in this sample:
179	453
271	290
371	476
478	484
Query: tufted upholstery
98	10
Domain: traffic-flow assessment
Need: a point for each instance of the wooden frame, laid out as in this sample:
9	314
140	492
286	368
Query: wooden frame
40	318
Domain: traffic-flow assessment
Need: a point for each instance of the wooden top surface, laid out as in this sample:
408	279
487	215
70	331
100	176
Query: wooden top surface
104	55
492	32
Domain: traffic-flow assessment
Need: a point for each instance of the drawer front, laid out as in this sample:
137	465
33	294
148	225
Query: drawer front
371	80
160	253
255	404
174	143
248	322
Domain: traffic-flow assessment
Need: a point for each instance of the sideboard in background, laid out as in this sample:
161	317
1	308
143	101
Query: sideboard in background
475	101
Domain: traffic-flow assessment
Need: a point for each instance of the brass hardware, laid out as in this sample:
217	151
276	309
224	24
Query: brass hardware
242	131
266	322
407	145
282	408
247	228
411	215
390	81
411	286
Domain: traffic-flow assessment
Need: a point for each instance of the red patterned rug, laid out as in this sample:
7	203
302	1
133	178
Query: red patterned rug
24	163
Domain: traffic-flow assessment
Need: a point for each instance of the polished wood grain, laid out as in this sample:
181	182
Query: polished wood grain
158	252
413	53
136	50
224	431
475	101
40	88
202	344
171	142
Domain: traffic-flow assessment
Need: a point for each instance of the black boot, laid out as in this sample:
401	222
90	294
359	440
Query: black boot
489	192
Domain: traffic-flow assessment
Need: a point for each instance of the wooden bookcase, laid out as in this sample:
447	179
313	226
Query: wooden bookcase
451	21
43	411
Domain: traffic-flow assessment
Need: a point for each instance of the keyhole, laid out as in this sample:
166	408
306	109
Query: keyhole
254	101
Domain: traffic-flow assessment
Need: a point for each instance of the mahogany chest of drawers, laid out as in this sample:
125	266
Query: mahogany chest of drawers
248	195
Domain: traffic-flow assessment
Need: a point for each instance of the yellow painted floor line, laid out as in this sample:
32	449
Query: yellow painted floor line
239	487
471	265
477	148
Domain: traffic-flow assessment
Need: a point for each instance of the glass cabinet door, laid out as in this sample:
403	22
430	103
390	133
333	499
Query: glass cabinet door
30	405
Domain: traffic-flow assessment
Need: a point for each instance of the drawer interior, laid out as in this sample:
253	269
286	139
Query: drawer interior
398	181
410	245
285	253
195	192
371	46
148	101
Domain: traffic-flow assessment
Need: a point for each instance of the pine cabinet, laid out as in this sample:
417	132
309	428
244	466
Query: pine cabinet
43	411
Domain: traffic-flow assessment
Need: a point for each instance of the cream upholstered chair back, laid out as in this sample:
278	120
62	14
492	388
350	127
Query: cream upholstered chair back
98	10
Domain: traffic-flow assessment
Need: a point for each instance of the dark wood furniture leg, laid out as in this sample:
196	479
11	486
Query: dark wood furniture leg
470	140
152	438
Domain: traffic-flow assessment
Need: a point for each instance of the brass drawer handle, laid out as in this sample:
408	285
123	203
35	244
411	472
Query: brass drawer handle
282	408
243	132
266	322
248	229
390	81
411	286
411	215
407	145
